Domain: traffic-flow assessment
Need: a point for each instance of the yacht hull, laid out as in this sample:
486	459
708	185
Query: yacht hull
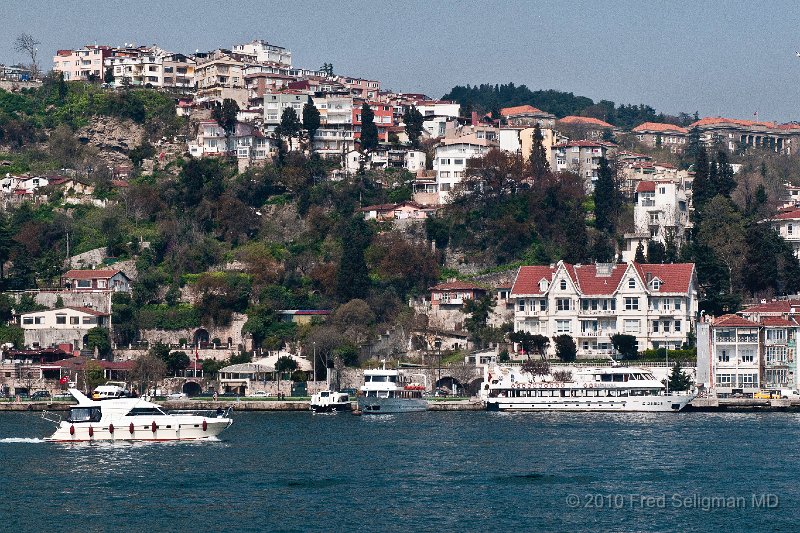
655	404
143	430
331	407
380	406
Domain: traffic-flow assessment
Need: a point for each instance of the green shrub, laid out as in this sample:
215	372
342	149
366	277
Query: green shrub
162	316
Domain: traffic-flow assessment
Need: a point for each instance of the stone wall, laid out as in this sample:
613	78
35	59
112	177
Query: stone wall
98	300
233	331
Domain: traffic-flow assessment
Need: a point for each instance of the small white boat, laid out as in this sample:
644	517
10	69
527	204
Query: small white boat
509	388
133	419
384	391
328	401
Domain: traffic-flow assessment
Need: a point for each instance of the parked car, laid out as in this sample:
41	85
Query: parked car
177	396
206	394
261	394
228	395
40	395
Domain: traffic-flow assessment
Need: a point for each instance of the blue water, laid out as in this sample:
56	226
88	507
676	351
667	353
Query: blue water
462	471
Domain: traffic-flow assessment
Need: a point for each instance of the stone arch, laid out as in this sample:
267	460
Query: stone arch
191	388
201	337
450	383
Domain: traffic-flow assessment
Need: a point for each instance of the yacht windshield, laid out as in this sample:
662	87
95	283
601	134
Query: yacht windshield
84	414
141	411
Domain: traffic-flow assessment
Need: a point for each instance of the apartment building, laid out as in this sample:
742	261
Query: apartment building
335	137
580	157
220	75
660	213
275	103
659	135
591	303
152	67
83	63
383	114
261	51
735	134
787	224
451	158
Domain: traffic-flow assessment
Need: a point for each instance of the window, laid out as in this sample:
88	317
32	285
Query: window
27	320
655	326
677	304
563	304
542	285
677	326
84	283
665	326
631	326
789	229
724	380
656	284
521	307
61	319
563	326
88	320
74	320
563	285
724	356
748	356
458	161
631	283
543	305
631	304
776	334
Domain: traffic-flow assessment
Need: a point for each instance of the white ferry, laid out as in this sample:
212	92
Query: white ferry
385	391
328	401
132	419
617	388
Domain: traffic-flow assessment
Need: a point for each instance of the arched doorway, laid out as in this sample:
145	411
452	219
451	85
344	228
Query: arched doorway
192	388
85	341
448	385
201	337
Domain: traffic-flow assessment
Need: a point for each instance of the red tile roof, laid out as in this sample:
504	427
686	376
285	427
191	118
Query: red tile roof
675	277
720	121
659	127
457	286
520	110
585	121
584	144
87	310
776	321
528	277
733	321
794	214
589	283
91	274
779	306
646	186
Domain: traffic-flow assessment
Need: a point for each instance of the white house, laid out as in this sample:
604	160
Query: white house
450	161
580	157
661	213
96	280
263	52
67	325
787	224
655	303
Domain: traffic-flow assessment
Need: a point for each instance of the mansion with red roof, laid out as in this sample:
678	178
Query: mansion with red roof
655	303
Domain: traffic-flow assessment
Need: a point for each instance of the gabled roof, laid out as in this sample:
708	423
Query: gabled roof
585	121
721	121
528	278
675	277
733	321
87	310
794	214
93	274
659	127
777	322
646	186
779	306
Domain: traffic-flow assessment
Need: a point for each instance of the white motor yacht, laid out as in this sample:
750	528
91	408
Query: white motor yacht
133	419
327	401
384	391
616	388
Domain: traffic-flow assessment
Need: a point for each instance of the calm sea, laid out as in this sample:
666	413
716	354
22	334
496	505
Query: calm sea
462	471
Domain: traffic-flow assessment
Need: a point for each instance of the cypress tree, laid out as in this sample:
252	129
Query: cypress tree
311	120
606	198
640	254
538	160
726	183
413	120
352	276
369	131
702	190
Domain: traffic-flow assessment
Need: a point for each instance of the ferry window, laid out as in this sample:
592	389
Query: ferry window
393	379
605	377
367	379
379	379
618	377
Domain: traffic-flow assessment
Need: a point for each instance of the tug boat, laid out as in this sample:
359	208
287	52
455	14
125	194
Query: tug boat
617	388
330	401
133	419
385	392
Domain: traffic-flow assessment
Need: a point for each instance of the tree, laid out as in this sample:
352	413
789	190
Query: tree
327	69
607	198
225	115
108	76
283	365
702	188
176	361
770	267
725	182
95	376
147	371
539	163
478	310
723	231
626	345
311	120
413	120
536	367
369	131
656	252
678	379
26	44
640	258
98	338
530	343
6	243
565	348
352	276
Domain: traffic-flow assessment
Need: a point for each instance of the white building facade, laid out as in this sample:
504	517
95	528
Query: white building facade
591	303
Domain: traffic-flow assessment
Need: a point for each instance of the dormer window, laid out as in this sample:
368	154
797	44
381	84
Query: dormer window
631	283
542	285
563	284
656	284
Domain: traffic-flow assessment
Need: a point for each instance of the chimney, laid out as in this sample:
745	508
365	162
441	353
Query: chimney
474	118
649	277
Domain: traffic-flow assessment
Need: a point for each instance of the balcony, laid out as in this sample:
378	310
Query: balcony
597	312
597	333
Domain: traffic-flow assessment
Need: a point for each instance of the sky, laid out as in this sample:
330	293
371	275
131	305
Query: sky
720	58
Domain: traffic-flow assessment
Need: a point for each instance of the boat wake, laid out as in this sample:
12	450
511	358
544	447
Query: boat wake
11	440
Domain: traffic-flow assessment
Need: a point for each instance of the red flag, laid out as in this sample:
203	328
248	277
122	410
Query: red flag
64	380
196	353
